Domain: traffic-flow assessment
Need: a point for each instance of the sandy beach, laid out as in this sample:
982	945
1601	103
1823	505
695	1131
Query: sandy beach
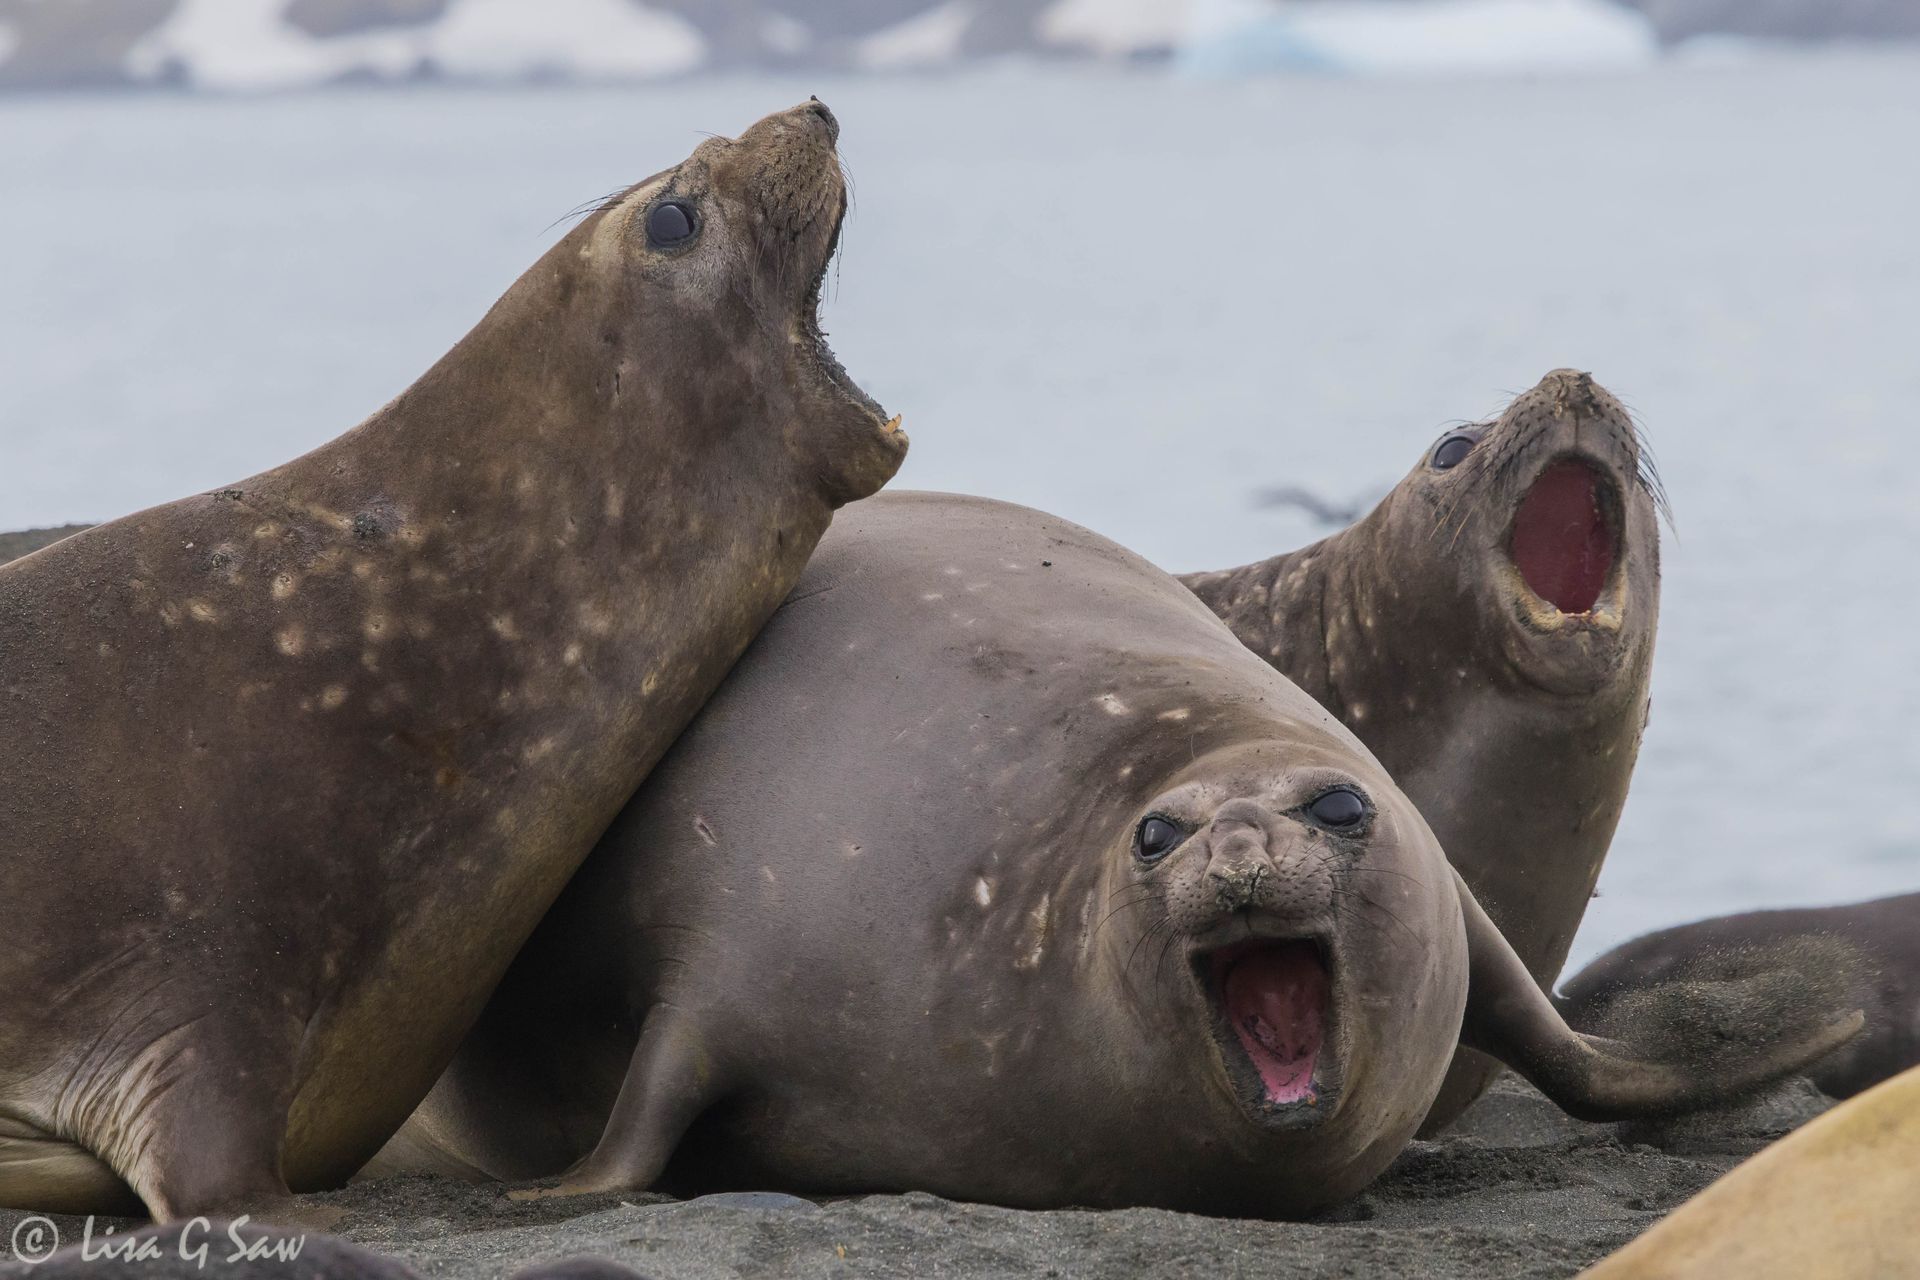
1517	1190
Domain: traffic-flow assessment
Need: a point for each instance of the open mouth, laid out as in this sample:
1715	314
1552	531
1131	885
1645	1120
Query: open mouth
1565	538
1273	997
823	357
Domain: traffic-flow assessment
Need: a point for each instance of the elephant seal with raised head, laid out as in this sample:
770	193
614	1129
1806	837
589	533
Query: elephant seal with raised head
1000	869
293	768
1487	630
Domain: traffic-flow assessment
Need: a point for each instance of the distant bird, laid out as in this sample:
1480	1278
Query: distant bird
1318	509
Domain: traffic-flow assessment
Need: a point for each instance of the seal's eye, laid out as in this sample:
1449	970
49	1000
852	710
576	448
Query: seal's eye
670	224
1156	838
1341	808
1453	450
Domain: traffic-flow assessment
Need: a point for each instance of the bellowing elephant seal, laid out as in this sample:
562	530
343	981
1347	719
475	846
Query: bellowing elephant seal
1000	869
1862	955
293	768
1487	630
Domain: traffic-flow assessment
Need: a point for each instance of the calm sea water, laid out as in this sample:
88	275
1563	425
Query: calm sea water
1134	300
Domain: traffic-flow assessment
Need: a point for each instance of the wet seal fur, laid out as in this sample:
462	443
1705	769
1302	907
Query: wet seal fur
1513	723
294	767
1863	955
887	917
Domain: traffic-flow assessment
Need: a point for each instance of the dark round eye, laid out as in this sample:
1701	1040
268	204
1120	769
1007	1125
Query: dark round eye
1339	808
1452	451
1157	838
669	224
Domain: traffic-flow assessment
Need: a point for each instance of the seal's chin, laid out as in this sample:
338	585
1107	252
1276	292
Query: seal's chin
1272	1005
1563	561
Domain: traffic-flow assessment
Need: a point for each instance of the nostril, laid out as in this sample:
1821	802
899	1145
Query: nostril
826	117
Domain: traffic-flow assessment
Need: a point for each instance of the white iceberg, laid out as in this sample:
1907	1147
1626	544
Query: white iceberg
1413	37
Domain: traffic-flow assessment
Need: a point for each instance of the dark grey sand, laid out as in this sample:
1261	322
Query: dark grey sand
1517	1190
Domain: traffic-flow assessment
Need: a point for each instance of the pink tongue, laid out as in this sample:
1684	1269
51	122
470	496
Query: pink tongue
1275	1000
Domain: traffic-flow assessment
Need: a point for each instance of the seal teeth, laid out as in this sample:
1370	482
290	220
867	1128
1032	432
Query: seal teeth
893	424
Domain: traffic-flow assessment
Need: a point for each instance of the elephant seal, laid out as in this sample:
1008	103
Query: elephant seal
1864	955
1487	630
1833	1199
1000	869
293	768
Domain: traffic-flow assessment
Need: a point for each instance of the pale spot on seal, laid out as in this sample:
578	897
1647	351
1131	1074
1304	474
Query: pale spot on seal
290	641
932	596
375	627
571	655
284	585
1034	938
419	628
370	660
170	614
1112	705
1178	713
507	821
1359	711
266	529
332	696
616	503
982	892
651	683
538	750
501	624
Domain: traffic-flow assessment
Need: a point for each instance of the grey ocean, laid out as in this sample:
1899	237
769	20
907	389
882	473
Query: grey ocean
1135	300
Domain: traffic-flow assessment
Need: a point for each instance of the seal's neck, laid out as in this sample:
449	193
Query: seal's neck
1282	608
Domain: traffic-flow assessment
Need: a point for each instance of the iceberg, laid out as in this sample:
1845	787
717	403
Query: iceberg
1413	37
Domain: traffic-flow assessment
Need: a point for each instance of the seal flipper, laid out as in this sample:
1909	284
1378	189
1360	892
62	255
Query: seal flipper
670	1081
210	1150
1509	1017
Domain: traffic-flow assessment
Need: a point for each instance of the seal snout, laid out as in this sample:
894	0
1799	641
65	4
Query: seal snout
1255	864
822	116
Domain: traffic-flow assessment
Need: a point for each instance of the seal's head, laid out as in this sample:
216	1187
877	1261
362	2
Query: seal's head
707	277
1541	525
1313	952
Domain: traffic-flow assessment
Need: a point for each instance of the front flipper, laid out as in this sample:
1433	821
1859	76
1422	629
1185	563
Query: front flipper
670	1081
1511	1018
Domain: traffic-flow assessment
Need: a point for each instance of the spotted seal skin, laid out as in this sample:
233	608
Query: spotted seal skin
1488	630
293	768
1860	954
1000	869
